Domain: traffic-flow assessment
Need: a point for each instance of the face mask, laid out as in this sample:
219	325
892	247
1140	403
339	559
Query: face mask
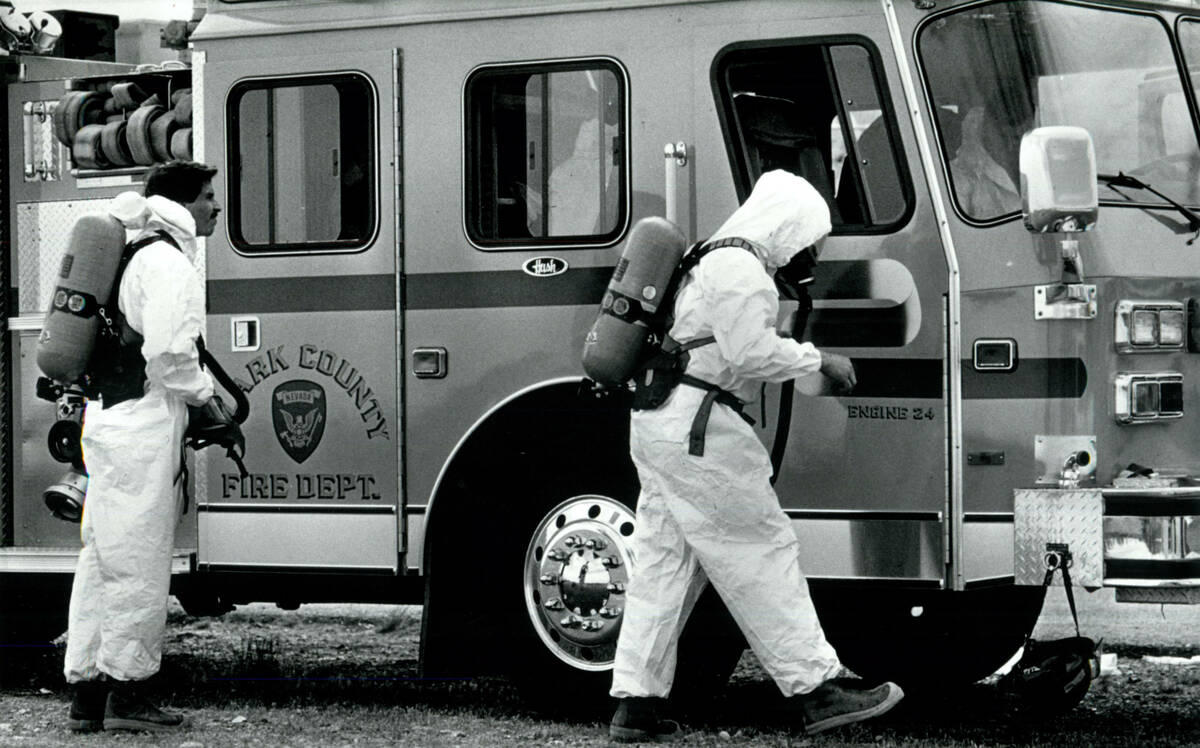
793	279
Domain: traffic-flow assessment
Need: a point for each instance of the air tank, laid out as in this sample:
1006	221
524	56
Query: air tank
613	347
85	281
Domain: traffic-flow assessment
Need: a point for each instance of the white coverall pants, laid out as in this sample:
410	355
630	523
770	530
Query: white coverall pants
118	611
712	518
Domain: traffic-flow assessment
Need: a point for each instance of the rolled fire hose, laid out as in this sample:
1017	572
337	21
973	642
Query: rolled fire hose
87	148
128	95
181	144
161	130
138	133
114	145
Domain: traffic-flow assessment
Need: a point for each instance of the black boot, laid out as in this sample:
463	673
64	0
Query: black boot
129	709
842	702
637	720
87	705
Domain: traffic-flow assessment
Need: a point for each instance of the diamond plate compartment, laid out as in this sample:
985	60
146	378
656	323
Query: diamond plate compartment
43	231
1074	516
1159	595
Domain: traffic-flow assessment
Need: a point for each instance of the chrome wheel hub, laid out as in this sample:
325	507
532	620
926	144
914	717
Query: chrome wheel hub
576	570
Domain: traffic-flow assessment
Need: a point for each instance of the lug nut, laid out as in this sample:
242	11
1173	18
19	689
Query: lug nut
557	555
553	604
549	579
595	544
571	541
610	612
617	588
592	625
571	622
612	562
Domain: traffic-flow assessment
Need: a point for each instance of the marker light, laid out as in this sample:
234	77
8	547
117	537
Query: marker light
1171	325
1144	328
1149	326
1148	397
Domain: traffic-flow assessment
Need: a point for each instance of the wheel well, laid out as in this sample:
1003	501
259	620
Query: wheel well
497	475
541	428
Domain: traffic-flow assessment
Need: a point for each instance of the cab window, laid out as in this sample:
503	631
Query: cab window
303	174
545	154
996	70
815	109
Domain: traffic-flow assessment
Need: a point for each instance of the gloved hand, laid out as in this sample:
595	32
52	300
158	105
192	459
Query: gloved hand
212	423
838	368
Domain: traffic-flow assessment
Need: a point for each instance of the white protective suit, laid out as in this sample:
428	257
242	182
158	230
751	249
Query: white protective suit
716	517
133	451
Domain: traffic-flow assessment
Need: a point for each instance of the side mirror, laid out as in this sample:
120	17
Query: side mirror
1058	180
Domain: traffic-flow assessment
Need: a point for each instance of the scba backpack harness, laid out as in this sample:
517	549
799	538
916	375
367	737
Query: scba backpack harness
117	371
665	366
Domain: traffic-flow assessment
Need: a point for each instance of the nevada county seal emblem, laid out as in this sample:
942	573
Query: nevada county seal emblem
298	412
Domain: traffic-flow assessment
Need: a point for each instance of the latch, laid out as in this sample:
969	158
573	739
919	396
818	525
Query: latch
1064	301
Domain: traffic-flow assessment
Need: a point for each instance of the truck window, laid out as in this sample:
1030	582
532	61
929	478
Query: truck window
545	161
303	175
1179	141
815	109
996	70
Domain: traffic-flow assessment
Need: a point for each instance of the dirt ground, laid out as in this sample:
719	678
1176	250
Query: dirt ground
347	675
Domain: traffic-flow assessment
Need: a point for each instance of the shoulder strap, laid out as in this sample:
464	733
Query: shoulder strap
110	319
690	261
148	239
693	258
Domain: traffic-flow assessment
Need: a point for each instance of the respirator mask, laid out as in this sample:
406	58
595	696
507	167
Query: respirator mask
794	278
65	497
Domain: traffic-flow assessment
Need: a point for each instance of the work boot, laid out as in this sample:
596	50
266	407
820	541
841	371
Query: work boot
128	709
87	706
833	704
637	720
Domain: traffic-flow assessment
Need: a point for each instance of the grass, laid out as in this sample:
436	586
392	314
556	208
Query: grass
343	677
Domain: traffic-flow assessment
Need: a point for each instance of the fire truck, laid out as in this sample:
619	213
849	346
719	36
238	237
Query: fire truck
425	201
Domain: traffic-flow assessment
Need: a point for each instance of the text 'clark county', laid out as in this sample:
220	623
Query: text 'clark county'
331	365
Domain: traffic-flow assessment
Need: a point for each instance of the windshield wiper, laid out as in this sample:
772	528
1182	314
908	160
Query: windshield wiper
1121	179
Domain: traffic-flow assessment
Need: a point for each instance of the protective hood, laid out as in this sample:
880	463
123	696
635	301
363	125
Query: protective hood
783	215
140	214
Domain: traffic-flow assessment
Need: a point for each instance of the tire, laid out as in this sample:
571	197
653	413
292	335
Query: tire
927	639
567	638
544	604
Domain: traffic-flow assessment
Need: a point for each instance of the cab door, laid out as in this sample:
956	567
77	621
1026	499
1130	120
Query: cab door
863	475
303	305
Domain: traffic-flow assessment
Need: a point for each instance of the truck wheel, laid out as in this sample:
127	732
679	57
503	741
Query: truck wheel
576	570
528	567
574	574
927	639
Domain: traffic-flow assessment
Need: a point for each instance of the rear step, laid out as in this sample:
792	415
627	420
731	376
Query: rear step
62	560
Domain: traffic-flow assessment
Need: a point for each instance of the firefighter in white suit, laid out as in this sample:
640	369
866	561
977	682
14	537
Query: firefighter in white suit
715	518
132	446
